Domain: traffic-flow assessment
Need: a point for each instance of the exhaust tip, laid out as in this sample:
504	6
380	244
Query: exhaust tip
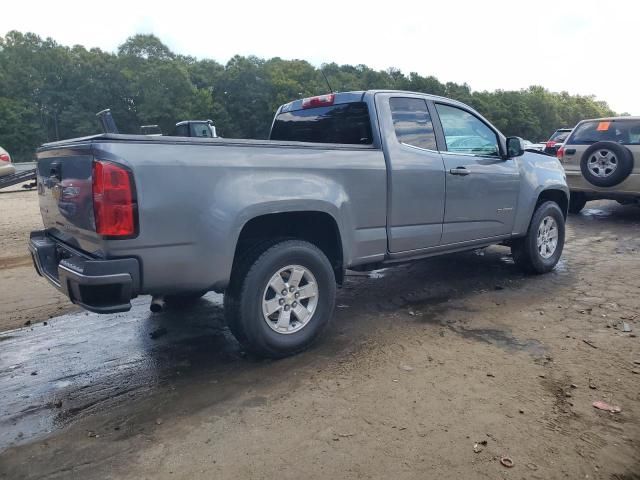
157	304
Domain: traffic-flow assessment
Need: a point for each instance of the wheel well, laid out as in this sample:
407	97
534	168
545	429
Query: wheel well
318	228
557	196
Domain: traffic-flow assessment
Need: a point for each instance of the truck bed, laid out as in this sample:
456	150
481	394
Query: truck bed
166	140
193	202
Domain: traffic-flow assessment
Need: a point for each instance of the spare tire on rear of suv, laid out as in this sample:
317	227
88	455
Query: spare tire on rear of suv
605	164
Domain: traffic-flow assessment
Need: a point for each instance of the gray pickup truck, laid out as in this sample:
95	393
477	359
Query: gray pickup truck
351	180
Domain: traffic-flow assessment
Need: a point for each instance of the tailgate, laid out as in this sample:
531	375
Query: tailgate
65	196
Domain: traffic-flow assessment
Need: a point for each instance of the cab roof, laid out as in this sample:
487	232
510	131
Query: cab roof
611	119
359	96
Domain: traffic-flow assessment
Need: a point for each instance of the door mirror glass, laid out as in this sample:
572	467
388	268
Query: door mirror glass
515	147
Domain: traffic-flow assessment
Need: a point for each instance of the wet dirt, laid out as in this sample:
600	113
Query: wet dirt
114	359
25	297
421	362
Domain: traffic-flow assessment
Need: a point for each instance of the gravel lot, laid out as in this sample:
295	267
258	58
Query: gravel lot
422	363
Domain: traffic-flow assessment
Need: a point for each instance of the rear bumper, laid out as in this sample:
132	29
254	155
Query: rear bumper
7	169
102	286
630	186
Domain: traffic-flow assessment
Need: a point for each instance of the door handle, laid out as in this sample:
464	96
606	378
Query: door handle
459	171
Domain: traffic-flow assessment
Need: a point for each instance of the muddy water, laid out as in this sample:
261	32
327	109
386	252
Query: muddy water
84	362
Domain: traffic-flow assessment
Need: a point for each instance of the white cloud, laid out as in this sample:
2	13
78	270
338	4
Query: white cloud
581	46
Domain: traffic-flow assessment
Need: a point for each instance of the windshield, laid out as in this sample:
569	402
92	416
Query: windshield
560	136
344	123
626	132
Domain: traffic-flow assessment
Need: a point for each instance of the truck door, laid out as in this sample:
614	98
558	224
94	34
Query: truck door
416	178
482	187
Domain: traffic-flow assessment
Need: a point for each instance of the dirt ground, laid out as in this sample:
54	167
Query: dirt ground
25	295
422	363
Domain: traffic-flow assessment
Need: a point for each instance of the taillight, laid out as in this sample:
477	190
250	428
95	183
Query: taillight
4	157
114	200
560	153
320	101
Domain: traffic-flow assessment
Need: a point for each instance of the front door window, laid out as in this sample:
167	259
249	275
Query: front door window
466	133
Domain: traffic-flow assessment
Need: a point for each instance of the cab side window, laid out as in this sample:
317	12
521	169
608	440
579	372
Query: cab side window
412	122
465	133
182	131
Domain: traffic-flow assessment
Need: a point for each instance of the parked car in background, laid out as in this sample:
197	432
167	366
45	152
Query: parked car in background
556	140
195	128
6	167
150	130
533	147
602	161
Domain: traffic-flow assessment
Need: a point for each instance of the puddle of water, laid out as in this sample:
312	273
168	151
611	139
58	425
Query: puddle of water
376	274
502	339
508	259
432	310
595	212
82	362
561	266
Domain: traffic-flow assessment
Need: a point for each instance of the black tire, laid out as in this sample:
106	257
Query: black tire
526	254
623	163
244	297
577	201
183	299
231	299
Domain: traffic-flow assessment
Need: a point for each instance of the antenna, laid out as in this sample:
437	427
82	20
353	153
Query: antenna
326	80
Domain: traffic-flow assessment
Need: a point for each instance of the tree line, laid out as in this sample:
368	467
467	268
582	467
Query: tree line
50	91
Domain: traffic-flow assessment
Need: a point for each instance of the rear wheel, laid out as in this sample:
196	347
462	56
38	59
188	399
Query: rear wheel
281	298
540	249
577	201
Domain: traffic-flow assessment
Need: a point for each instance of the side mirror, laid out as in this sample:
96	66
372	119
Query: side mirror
515	147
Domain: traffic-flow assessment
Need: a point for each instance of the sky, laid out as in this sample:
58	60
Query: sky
585	47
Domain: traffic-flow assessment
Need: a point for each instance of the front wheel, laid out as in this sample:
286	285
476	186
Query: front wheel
540	249
281	298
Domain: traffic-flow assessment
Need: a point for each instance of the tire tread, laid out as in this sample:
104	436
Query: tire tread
523	249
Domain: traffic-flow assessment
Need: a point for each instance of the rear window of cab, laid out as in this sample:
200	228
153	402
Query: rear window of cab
625	132
346	123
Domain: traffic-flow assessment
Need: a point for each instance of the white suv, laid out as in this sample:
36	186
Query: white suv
602	160
6	167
